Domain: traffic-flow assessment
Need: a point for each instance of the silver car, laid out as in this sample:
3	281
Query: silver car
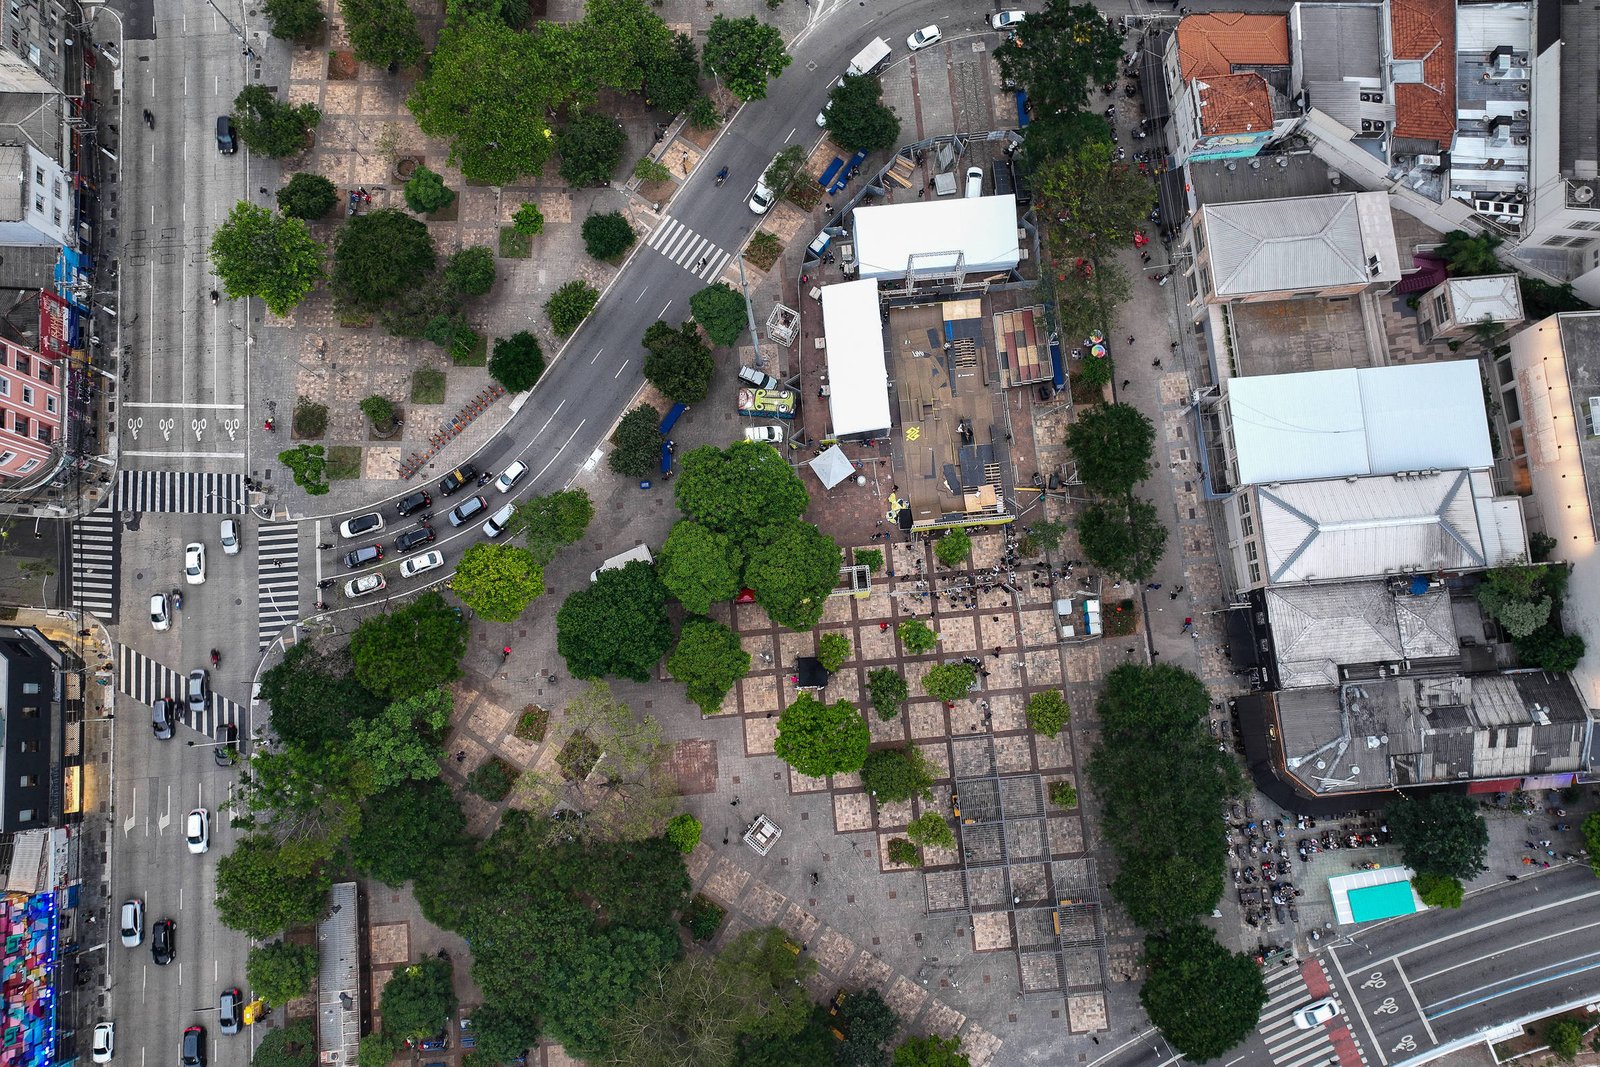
199	690
160	613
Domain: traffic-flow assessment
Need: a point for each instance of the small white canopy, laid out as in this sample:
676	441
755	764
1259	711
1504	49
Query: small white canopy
832	467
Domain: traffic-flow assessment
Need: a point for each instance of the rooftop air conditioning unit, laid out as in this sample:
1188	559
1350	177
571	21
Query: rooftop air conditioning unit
1520	138
1582	194
1430	161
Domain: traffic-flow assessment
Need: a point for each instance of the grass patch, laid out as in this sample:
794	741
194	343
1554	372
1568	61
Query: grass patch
427	386
493	780
703	917
532	723
1121	620
310	418
578	757
763	250
344	463
352	319
804	191
514	245
475	355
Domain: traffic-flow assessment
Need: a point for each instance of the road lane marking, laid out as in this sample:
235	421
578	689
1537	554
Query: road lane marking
1498	952
1416	1001
133	814
548	421
560	450
620	369
664	310
186	455
601	349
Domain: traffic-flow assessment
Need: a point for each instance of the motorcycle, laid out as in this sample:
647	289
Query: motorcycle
216	658
149	119
722	175
177	600
215	296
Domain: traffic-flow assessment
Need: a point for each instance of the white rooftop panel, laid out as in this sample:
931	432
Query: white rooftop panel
929	234
858	383
1425	415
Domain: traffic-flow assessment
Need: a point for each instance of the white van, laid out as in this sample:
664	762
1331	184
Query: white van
974	181
622	559
871	59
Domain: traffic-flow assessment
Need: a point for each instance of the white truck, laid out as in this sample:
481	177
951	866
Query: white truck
870	59
622	559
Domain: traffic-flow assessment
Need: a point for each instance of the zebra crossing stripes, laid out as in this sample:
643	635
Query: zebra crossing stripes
144	679
277	579
195	492
689	250
1288	1045
94	564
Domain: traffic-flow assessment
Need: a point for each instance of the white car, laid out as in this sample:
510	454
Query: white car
499	521
361	525
364	585
923	38
974	181
197	831
230	537
160	613
132	923
510	476
1316	1013
822	116
194	563
762	199
105	1040
772	435
415	565
1004	20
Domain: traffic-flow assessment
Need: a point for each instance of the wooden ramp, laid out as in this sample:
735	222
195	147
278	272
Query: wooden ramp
1022	345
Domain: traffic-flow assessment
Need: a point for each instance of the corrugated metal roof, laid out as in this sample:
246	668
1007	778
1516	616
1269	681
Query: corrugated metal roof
1316	629
1492	296
1304	242
339	977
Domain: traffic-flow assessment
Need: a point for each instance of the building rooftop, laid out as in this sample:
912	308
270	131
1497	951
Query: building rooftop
978	232
1338	58
1219	43
1580	94
1342	528
858	384
339	977
1319	629
1423	45
1373	420
1307	242
1496	297
1489	161
13	185
1234	103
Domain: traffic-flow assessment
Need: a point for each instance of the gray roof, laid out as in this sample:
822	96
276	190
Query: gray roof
339	977
1308	242
1337	49
1317	629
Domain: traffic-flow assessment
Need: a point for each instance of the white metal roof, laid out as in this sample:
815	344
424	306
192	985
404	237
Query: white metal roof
1302	242
931	234
1492	296
1373	420
858	382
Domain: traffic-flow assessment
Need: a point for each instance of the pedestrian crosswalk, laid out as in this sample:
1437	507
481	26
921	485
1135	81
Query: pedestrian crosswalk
689	250
196	492
277	579
94	564
1288	1045
144	679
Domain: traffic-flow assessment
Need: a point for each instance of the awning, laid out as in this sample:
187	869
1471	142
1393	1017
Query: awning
832	467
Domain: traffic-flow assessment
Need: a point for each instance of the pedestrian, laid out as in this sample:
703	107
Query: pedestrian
734	803
1180	589
1153	586
1528	845
461	757
996	651
1130	338
828	207
1173	594
1545	843
882	626
1174	346
1545	866
1156	363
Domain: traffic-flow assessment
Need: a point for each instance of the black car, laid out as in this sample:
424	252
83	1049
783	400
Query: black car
412	539
227	142
363	556
194	1047
415	502
458	478
226	750
163	942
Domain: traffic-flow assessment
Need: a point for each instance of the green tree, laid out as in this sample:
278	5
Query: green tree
720	311
411	650
678	362
383	33
792	573
607	236
781	172
887	690
870	558
380	411
470	271
953	548
950	682
1439	833
931	1051
263	888
498	581
819	739
683	830
1519	597
673	80
917	637
307	196
528	220
259	254
1113	444
616	625
518	361
638	443
402	743
418	1000
1124	537
269	127
745	54
1063	794
569	305
709	660
502	1036
699	566
1548	649
904	852
1438	890
294	1045
832	651
555	521
377	1049
1203	998
591	147
869	1026
930	830
426	192
895	774
616	44
296	20
1066	52
1565	1037
1095	202
279	972
1048	712
1591	839
315	698
379	256
488	90
309	466
1060	133
857	118
1467	254
513	13
747	491
405	830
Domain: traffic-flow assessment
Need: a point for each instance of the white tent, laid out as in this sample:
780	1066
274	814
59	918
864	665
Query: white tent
832	467
858	383
980	231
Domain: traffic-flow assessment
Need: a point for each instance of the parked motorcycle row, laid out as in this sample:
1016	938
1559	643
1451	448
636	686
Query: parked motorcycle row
1263	876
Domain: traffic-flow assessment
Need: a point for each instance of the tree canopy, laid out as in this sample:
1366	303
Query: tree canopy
1519	597
295	20
591	147
378	256
264	888
950	682
869	1025
419	1000
916	635
699	566
887	690
518	361
306	195
279	972
819	739
615	625
1203	998
1440	833
270	127
383	33
1047	712
1123	536
745	53
931	1051
406	829
1113	444
498	581
793	571
608	236
260	254
425	191
720	311
673	80
895	774
857	118
1065	53
411	649
745	491
678	362
315	698
638	443
470	271
402	743
709	660
1094	202
554	521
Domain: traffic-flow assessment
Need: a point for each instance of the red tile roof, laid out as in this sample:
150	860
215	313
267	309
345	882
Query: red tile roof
1426	30
1213	45
1234	103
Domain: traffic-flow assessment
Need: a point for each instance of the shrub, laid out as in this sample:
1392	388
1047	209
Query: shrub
648	170
426	193
466	348
307	196
308	464
310	418
532	723
607	236
493	780
517	362
904	852
470	271
832	651
570	305
1438	890
703	114
528	221
638	443
1048	712
916	636
379	410
895	774
763	250
869	558
953	548
1564	1036
683	830
931	830
1063	795
720	311
950	682
703	917
887	690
